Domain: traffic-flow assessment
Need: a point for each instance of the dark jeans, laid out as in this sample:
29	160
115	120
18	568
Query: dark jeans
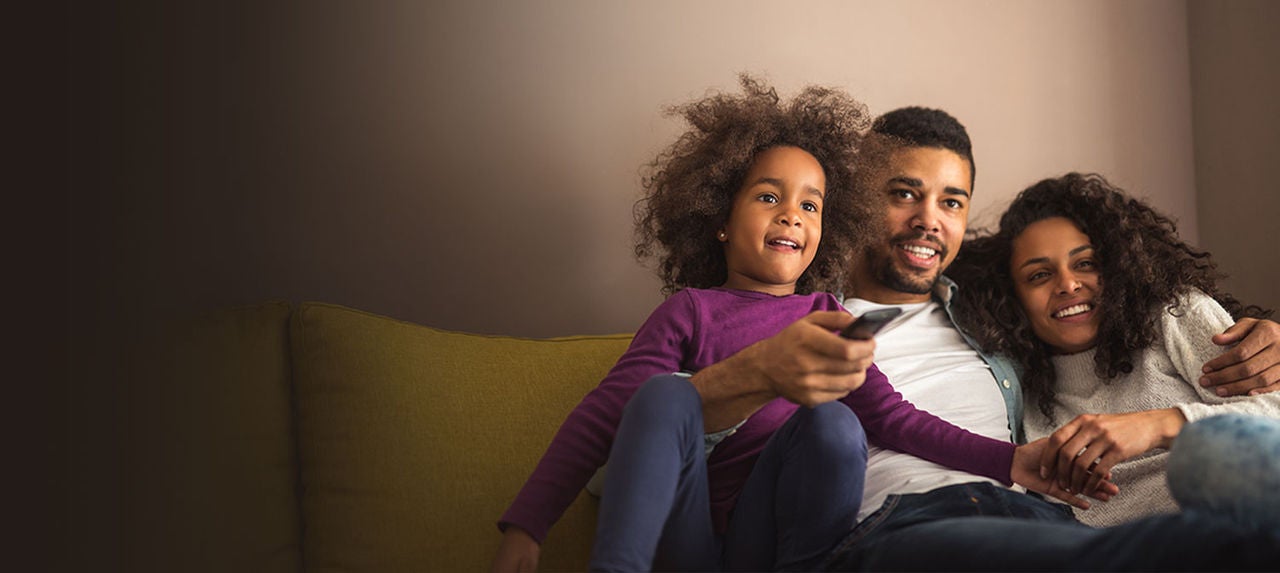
798	501
981	527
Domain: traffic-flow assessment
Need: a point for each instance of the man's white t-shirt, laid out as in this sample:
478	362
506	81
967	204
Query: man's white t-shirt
933	367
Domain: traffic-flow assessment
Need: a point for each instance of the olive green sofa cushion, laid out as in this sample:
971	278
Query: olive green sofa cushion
413	440
214	474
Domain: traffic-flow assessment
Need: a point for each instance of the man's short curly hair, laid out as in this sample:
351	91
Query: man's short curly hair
916	126
689	188
1144	268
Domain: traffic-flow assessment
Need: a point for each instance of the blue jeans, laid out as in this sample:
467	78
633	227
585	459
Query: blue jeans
800	499
982	527
1229	465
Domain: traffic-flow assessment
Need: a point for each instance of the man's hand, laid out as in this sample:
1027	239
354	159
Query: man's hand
1026	472
1253	366
806	363
518	552
809	364
1081	454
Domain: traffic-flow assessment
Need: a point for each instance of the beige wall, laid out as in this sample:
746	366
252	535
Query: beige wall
473	165
1235	82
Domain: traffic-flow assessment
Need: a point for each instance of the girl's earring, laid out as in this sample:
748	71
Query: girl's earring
722	236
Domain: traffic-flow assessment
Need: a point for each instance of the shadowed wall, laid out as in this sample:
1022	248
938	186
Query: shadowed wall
1235	80
474	165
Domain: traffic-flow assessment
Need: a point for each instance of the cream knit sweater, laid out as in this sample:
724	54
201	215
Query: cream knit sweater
1164	375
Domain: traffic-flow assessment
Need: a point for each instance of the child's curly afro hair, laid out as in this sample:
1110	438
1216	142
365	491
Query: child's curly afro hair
689	187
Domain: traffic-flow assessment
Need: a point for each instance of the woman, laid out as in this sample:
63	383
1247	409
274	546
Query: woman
1109	316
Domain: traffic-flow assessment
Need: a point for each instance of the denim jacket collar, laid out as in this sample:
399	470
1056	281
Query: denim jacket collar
1004	370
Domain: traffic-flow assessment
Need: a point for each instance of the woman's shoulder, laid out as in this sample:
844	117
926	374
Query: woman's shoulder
1195	306
1187	330
1195	296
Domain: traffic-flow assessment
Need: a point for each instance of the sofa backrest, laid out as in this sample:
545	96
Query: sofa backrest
213	474
412	440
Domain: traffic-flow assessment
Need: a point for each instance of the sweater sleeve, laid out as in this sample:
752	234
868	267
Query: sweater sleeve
893	422
582	443
1187	339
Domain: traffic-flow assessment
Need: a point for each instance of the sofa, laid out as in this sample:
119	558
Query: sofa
314	437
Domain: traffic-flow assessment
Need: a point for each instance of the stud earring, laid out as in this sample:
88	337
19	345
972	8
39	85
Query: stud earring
722	236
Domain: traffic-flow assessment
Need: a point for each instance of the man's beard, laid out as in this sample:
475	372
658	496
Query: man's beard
889	274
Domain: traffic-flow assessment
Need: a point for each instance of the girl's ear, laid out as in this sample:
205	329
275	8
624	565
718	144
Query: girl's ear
723	236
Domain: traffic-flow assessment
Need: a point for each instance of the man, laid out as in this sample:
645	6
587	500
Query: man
927	516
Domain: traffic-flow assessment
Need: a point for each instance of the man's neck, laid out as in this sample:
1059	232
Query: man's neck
880	294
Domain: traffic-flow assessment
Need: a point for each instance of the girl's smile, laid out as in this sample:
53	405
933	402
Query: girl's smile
1057	280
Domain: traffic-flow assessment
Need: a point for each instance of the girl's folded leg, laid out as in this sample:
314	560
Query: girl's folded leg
655	510
803	495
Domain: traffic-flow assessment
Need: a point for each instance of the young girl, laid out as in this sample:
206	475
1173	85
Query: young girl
734	211
1106	310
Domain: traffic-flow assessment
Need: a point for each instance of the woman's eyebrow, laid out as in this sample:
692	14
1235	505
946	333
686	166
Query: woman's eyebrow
1071	253
1080	249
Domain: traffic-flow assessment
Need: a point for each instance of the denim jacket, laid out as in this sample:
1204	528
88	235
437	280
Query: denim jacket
1004	370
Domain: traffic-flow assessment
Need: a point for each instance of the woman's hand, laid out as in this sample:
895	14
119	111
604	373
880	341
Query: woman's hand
1082	453
1026	472
518	552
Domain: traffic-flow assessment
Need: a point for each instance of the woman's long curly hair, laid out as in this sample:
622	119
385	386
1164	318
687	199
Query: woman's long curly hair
689	188
1144	268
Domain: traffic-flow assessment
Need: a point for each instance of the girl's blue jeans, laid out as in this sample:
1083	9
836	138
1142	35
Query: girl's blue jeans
800	499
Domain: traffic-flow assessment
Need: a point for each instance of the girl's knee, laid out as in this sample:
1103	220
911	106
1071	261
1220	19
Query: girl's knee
667	397
835	426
